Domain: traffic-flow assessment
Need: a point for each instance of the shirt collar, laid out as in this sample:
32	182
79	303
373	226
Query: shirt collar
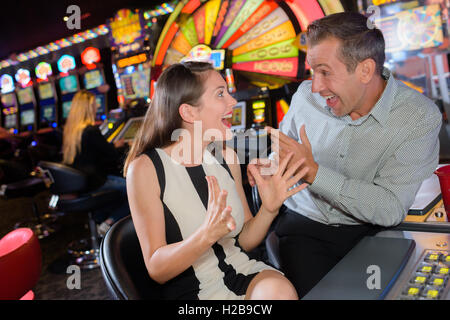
381	109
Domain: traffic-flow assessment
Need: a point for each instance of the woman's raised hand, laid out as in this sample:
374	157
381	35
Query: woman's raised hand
218	221
275	189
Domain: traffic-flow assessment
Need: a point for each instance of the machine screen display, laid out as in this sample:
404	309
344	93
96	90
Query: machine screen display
68	84
100	99
27	117
8	100
48	113
10	121
136	84
66	109
45	91
25	95
238	117
93	79
132	130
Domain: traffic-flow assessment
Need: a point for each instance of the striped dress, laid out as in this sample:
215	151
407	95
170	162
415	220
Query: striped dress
224	271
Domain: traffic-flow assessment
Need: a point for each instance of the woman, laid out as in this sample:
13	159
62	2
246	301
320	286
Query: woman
190	212
85	149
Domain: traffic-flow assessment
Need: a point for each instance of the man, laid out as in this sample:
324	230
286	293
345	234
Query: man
368	140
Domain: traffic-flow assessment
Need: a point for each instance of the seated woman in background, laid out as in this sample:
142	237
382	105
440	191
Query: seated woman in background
85	149
189	208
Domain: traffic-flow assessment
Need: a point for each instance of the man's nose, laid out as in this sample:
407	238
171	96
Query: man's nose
317	84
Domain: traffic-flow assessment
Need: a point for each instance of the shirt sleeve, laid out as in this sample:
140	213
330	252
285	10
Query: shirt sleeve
388	198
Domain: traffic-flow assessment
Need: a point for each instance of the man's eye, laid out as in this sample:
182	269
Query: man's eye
220	94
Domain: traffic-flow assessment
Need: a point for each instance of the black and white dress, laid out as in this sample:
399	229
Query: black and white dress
224	271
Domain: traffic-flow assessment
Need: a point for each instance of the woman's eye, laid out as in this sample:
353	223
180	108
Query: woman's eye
220	93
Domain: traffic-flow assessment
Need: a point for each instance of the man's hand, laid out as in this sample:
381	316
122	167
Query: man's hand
282	144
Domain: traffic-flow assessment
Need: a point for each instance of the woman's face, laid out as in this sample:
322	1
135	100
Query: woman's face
215	108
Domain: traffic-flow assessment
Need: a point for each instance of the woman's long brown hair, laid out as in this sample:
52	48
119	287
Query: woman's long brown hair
180	83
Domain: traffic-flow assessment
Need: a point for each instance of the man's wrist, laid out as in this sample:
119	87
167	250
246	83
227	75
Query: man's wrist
312	173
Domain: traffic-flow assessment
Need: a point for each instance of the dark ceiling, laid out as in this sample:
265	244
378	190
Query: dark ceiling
27	24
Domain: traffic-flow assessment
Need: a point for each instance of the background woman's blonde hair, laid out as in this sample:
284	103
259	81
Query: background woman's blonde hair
82	114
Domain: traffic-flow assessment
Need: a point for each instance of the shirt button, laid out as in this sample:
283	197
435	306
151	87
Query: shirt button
341	155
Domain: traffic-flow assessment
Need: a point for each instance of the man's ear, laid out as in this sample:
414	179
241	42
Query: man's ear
366	70
187	113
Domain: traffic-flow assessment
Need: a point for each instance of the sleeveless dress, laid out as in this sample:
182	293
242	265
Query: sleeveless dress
225	270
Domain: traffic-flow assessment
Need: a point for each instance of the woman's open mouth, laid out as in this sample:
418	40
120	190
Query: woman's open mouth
226	120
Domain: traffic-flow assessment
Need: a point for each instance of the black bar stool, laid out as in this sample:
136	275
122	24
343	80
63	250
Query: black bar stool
68	187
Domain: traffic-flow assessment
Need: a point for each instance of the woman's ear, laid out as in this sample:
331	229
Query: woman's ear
187	113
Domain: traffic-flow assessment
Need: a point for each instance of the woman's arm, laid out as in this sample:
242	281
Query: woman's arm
166	261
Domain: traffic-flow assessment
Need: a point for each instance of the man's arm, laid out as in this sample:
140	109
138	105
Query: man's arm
386	201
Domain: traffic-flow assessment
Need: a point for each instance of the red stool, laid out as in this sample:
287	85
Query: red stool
20	264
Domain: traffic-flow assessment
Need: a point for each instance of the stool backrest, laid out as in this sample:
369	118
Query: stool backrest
123	266
65	179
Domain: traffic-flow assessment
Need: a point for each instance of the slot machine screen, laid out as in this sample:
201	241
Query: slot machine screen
68	84
100	99
238	116
136	84
27	117
132	129
48	113
8	100
93	79
25	95
10	121
66	109
45	91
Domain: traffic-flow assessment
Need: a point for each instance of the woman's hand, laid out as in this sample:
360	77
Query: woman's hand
218	221
274	190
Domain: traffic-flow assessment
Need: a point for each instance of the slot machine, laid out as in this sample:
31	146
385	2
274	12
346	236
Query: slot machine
94	79
27	101
68	85
48	117
9	108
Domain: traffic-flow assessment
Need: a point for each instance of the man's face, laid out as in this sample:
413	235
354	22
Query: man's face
342	90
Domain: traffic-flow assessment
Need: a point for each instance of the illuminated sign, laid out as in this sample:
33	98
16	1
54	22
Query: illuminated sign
23	77
204	53
66	63
380	2
7	83
287	67
125	62
43	70
126	27
90	56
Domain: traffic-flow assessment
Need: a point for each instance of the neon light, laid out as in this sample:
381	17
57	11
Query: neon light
90	56
23	77
7	83
66	63
43	70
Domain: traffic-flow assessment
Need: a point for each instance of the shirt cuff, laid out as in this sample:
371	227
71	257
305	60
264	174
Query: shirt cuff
328	183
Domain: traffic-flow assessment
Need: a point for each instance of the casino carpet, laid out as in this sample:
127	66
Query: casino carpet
52	284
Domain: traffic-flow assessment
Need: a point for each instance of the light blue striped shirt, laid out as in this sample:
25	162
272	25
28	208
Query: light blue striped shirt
370	169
